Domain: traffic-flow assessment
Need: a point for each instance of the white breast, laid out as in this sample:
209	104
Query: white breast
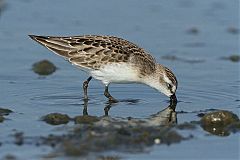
116	73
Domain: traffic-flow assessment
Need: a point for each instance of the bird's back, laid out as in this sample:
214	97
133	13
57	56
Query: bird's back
93	51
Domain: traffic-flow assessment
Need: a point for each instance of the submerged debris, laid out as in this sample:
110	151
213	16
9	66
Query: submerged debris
195	44
98	134
44	67
9	157
92	135
233	58
86	119
193	31
170	57
4	112
19	138
233	30
56	118
218	122
86	139
175	58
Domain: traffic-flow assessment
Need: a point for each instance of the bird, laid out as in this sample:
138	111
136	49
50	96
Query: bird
111	59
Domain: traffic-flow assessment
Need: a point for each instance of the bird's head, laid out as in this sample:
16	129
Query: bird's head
165	81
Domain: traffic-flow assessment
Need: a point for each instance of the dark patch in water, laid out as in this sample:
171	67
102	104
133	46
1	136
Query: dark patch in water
233	30
19	138
9	157
98	134
175	58
232	58
1	119
94	134
44	67
4	112
87	139
199	112
195	44
193	31
56	118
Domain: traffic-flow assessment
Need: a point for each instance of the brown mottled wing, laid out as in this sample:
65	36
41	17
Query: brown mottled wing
171	76
145	63
93	51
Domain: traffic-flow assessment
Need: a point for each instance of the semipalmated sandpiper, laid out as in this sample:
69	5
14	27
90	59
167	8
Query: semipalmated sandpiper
112	60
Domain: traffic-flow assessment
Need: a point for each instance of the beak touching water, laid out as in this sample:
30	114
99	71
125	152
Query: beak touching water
173	99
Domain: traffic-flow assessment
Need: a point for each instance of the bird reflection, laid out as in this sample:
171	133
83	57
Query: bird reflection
106	108
166	116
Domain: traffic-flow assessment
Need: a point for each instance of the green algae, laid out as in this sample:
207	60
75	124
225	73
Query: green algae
219	122
44	67
5	112
232	58
85	119
219	118
56	118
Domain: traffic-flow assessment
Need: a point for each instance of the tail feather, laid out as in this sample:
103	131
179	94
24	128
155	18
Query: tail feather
56	45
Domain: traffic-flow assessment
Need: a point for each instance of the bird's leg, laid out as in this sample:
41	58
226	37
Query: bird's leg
85	105
108	95
85	86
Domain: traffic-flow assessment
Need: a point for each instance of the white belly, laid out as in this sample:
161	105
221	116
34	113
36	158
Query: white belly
116	73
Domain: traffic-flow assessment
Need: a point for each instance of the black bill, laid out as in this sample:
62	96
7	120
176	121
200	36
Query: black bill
173	98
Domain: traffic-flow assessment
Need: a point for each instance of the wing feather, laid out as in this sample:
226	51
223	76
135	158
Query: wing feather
91	51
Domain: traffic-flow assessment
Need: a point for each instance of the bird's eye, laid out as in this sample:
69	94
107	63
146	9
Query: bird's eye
169	86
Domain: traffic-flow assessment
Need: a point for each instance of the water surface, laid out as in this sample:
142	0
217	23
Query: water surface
161	27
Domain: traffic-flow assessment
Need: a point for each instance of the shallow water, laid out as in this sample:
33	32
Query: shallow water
161	27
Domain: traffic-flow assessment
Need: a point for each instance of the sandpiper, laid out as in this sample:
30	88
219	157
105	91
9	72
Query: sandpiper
112	60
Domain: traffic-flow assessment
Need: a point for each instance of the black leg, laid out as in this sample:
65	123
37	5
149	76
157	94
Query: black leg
85	105
108	95
85	86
